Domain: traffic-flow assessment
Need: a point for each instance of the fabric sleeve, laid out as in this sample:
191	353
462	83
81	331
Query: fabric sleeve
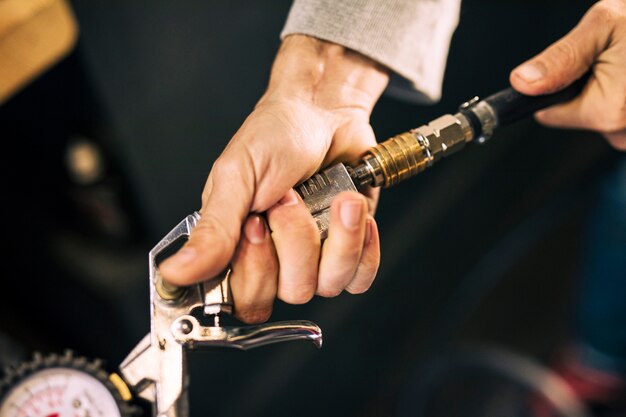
410	37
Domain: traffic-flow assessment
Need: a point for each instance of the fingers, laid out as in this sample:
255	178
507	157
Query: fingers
253	279
600	107
342	250
350	259
599	40
372	194
564	61
370	260
297	243
212	242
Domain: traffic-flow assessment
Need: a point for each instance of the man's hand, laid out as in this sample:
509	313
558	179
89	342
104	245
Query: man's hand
315	111
598	42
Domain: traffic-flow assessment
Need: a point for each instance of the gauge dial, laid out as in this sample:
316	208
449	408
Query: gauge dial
59	392
60	386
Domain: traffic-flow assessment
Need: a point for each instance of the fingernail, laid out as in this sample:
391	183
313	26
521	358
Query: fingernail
255	230
350	213
529	73
289	199
184	256
368	231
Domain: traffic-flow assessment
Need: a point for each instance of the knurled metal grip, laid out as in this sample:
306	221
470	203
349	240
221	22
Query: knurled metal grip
410	153
318	192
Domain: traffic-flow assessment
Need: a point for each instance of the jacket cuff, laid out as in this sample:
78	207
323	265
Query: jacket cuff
411	38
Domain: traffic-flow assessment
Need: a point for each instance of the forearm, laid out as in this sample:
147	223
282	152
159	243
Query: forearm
325	74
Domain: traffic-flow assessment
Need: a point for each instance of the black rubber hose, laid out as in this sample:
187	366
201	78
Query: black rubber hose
511	106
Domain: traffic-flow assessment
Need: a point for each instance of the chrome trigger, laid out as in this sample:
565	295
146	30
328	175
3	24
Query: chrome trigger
188	331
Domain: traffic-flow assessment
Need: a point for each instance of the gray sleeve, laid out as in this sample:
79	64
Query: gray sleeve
410	37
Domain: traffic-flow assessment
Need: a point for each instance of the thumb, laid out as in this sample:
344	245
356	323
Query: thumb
562	62
212	242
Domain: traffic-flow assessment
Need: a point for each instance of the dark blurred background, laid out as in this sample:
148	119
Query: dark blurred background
486	248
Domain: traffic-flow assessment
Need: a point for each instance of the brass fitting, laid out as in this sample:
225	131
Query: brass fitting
410	153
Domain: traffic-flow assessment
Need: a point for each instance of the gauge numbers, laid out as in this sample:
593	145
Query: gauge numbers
59	392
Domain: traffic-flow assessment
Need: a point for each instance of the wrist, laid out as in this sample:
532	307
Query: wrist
325	74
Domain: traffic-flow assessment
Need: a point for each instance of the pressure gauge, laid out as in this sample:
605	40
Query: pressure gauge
63	386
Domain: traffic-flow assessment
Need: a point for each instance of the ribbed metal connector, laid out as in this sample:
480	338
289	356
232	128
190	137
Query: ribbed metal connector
397	159
410	153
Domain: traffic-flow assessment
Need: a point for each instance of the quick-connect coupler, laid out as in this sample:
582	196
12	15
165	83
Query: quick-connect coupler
410	153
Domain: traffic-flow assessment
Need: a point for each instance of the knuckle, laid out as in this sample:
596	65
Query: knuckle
210	225
613	121
230	164
328	292
296	297
222	166
295	222
357	289
566	53
334	277
364	279
307	226
604	12
254	315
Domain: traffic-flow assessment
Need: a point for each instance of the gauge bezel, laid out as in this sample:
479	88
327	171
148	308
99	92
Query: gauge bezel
15	375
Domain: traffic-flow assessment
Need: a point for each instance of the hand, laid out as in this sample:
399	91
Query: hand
315	111
597	42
